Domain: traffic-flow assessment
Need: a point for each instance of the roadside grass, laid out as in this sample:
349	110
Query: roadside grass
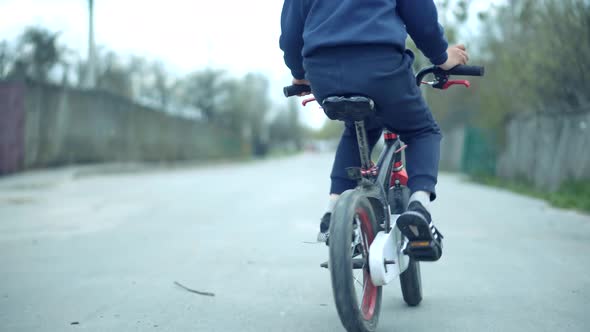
571	195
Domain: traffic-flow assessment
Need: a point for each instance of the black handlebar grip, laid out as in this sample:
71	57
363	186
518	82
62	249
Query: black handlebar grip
462	70
296	89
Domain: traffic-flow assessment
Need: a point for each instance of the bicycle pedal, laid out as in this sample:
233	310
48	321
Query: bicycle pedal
420	244
429	251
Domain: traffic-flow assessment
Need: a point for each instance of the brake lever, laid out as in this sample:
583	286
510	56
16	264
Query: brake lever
307	101
450	83
442	81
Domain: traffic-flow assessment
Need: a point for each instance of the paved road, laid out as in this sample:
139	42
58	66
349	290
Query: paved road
104	250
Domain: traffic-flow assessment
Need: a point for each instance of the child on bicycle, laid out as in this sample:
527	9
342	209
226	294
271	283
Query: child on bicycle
352	47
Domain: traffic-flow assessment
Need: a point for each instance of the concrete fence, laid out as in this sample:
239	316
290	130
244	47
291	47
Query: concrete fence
43	125
12	124
547	149
452	146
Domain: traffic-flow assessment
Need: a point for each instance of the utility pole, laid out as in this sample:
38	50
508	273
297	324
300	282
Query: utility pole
209	52
90	76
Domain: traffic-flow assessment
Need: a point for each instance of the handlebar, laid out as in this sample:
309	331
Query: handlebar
442	78
296	89
463	70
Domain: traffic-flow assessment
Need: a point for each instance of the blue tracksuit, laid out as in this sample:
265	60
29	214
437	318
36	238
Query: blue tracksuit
349	47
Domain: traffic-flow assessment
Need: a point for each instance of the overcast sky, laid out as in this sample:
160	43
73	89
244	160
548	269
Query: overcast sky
240	36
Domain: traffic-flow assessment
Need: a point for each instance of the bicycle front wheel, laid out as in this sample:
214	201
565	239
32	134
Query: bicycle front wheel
352	230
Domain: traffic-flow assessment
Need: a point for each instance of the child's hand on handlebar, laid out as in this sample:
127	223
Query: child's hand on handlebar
302	82
457	56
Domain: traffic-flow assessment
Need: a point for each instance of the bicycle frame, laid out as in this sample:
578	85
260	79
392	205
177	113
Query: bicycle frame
381	173
387	259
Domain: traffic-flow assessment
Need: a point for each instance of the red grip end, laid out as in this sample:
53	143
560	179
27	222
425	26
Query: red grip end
307	101
456	82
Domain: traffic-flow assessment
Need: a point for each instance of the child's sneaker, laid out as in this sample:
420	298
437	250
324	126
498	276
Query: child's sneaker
425	240
324	228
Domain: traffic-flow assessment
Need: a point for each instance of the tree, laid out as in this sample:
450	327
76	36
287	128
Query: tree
538	58
330	130
162	87
285	129
232	113
6	59
453	15
151	83
38	53
204	90
111	75
255	105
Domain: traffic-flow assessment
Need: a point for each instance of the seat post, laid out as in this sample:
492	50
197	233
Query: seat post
361	137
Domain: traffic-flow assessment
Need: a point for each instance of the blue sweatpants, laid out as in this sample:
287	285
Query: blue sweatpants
384	74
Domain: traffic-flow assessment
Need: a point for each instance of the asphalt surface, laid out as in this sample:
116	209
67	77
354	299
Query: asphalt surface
100	251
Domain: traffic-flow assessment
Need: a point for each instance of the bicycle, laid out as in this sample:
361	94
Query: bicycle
366	249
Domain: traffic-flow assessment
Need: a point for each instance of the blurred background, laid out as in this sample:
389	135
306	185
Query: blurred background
144	143
85	82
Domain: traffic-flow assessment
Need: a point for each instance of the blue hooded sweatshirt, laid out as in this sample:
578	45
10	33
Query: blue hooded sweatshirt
310	25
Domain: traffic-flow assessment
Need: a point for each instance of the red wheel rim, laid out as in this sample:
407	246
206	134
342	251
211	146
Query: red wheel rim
369	300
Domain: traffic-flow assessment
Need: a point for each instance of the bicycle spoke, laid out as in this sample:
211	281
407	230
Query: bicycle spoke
358	249
358	281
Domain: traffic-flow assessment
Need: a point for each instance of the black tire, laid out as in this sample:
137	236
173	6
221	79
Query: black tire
410	280
411	283
352	209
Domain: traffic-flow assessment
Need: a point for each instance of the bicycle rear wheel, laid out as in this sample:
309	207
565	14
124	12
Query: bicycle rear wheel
411	279
352	230
411	284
